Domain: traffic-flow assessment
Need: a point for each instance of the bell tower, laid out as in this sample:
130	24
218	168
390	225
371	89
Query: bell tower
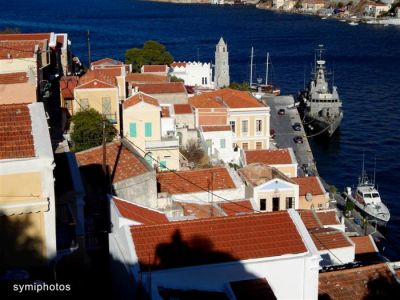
221	78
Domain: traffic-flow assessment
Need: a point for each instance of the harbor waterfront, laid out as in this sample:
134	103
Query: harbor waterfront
364	58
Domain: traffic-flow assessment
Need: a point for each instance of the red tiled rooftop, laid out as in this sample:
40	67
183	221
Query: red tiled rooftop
67	86
216	128
206	100
107	61
145	78
154	68
309	184
139	213
139	97
11	78
237	99
326	238
16	140
24	36
99	78
161	88
327	217
254	289
194	181
235	208
19	49
359	283
269	157
216	240
200	211
319	218
178	64
364	244
128	164
181	109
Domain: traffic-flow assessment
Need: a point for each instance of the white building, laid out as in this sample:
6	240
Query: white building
376	9
193	73
219	140
211	255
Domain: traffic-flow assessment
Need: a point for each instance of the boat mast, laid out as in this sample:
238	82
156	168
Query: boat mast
251	67
374	171
266	71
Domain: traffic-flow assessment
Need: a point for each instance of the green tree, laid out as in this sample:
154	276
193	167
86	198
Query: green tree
298	5
176	79
88	130
152	53
244	86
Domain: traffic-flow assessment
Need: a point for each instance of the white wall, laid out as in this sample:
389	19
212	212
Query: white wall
337	256
194	74
226	154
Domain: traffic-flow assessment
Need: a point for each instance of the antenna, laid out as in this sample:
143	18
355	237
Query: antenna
251	66
373	182
266	71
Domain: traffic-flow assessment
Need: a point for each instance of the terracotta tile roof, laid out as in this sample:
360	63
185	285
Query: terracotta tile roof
200	211
11	78
256	174
327	238
237	99
107	62
358	283
67	86
19	49
255	289
269	157
364	244
128	164
135	99
181	109
206	100
25	36
327	217
216	240
138	213
98	78
16	139
155	68
235	208
145	78
165	112
309	184
161	88
216	128
178	64
176	184
309	218
318	218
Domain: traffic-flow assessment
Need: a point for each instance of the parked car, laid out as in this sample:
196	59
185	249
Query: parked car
296	126
281	111
298	139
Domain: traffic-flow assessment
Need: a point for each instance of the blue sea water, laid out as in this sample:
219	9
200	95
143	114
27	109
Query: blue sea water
365	61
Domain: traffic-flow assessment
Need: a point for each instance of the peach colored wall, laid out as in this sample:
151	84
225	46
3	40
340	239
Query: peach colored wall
317	200
17	93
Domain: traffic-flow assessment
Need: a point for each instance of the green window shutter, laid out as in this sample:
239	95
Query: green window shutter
147	130
132	129
163	164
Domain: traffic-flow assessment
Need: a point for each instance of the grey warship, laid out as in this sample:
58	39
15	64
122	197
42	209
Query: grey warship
320	107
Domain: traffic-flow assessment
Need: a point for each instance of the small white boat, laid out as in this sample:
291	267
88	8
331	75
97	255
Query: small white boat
352	23
367	199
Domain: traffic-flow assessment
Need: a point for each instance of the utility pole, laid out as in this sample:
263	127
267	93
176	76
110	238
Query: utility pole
88	47
212	192
104	149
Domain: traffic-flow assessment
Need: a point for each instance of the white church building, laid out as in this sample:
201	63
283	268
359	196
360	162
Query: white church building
193	73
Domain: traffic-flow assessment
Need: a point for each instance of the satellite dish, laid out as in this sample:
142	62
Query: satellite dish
308	197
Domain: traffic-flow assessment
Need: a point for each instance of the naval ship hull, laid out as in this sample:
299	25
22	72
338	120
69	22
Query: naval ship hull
322	127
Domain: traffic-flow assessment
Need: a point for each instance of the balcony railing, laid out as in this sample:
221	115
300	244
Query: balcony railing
165	142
